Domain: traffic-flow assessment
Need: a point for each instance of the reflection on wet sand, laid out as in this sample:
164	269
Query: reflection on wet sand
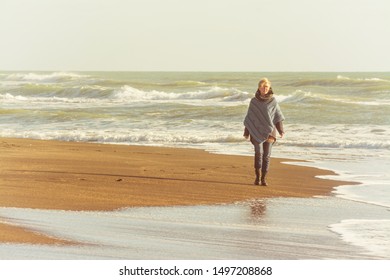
258	208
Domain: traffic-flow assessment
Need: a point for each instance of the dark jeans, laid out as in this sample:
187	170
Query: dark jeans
262	155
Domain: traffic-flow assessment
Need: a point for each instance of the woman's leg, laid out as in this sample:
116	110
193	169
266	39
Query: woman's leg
266	159
257	163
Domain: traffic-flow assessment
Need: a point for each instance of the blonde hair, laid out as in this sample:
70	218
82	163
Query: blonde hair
264	81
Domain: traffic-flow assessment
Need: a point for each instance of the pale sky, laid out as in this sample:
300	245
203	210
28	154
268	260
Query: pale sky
195	35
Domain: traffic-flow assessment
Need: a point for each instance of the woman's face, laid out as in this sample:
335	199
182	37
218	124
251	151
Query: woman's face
264	88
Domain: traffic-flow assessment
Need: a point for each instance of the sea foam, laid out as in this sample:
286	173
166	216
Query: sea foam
373	235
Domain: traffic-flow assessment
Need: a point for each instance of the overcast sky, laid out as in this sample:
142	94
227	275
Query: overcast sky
195	35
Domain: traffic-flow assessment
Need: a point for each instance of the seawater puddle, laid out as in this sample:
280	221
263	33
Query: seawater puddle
281	228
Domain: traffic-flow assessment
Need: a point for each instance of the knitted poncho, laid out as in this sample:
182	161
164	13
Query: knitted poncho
263	114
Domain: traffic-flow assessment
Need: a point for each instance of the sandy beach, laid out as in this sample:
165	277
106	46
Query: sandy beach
83	176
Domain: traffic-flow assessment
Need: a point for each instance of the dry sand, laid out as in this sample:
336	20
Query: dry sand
85	176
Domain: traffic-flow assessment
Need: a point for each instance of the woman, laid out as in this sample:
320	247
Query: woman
264	117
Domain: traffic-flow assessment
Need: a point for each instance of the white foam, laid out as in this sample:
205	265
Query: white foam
376	194
44	77
206	94
341	77
373	235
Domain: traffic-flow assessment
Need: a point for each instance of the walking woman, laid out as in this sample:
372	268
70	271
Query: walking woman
264	117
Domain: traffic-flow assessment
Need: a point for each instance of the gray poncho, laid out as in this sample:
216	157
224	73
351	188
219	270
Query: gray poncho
262	116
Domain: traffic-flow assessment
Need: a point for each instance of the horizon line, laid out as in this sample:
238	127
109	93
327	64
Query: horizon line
209	71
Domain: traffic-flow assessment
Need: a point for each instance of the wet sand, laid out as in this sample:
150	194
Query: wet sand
272	228
99	177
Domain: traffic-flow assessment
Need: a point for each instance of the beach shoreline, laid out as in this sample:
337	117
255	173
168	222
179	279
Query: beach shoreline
79	176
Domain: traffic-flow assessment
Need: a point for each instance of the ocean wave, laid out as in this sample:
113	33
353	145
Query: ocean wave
45	77
359	80
80	92
212	93
341	81
102	127
331	143
360	145
305	97
184	83
125	137
86	88
28	100
9	96
170	106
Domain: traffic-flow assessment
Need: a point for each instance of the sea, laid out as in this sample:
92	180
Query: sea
336	121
